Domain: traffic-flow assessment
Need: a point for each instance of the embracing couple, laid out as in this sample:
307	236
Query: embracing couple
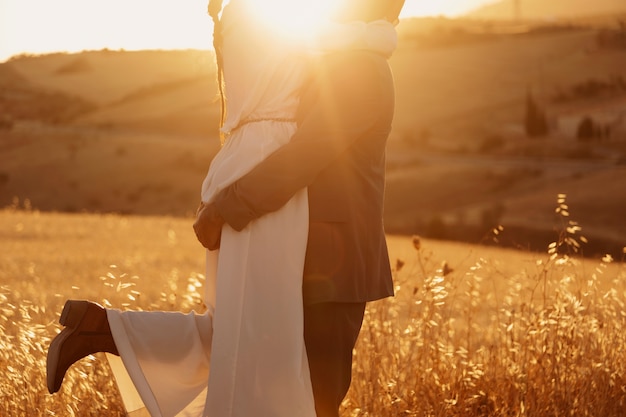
291	217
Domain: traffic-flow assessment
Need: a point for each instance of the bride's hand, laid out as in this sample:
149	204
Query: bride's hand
208	226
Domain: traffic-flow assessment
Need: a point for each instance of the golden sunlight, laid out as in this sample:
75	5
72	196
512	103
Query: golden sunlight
297	18
38	26
300	19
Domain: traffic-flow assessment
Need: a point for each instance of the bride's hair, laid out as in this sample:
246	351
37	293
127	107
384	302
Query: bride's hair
214	9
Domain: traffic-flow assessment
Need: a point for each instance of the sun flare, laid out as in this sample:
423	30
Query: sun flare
75	25
298	19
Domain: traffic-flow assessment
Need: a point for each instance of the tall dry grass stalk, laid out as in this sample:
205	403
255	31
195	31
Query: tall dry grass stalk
47	258
547	340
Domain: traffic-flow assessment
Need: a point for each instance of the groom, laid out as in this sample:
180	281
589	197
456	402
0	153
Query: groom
338	153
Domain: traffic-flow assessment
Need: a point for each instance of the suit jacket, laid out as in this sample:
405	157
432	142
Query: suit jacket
338	152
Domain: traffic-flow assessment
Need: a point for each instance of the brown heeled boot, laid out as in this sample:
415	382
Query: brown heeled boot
86	332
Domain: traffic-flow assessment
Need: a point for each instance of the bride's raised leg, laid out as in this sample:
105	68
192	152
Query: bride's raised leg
86	332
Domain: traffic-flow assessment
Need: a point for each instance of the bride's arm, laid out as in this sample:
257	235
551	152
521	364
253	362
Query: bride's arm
351	102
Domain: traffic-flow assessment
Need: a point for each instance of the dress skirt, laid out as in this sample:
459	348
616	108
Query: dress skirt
245	356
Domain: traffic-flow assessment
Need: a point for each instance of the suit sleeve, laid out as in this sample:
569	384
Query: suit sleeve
342	106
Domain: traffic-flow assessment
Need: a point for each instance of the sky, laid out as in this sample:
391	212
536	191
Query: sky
43	26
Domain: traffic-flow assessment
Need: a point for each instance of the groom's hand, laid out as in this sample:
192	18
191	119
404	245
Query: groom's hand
208	226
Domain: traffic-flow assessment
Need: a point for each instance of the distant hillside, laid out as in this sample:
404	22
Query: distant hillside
105	76
134	132
172	91
549	9
20	99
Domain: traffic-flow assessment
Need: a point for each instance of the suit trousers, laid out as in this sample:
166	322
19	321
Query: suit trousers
330	333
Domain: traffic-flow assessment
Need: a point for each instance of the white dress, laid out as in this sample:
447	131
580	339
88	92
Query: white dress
245	356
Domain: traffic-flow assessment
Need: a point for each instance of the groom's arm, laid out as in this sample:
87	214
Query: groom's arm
345	105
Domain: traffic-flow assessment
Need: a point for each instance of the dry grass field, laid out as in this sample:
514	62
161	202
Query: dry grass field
473	331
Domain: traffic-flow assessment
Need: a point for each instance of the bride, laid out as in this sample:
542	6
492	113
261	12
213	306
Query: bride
245	356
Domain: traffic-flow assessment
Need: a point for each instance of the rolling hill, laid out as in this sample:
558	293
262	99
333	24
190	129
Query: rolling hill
553	9
134	132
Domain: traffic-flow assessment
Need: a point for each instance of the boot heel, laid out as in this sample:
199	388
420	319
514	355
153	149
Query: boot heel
73	312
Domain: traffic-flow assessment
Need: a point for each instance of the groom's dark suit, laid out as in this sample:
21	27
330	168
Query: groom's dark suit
338	152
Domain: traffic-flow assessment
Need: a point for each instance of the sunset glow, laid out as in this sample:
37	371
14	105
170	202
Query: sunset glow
42	26
298	19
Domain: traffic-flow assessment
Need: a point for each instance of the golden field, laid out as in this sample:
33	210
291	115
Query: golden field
472	331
